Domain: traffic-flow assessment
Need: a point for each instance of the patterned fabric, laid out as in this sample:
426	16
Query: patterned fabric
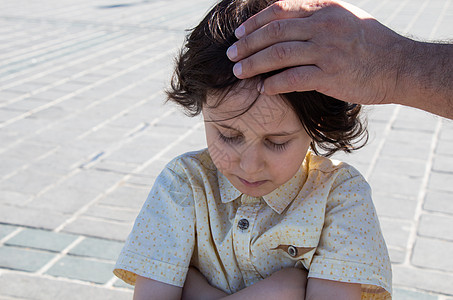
323	219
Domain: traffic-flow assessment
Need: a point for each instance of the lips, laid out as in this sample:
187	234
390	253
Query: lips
253	183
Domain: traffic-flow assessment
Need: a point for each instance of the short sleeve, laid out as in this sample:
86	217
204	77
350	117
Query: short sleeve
351	246
161	243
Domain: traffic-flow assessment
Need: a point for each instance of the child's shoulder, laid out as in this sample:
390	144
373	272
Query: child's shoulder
331	167
192	163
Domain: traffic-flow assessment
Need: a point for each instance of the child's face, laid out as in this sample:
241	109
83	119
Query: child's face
259	150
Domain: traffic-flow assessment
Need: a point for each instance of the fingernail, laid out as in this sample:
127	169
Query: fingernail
232	52
260	87
240	31
237	69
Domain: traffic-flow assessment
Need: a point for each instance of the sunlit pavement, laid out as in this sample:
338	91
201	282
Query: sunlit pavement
84	132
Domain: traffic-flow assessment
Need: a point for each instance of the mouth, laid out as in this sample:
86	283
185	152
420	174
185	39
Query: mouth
252	184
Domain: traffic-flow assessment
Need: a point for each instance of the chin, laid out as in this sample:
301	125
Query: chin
255	192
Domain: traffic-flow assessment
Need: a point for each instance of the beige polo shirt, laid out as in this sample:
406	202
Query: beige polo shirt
322	219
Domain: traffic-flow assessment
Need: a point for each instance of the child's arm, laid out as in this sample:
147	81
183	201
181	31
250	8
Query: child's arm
198	288
285	284
321	289
151	289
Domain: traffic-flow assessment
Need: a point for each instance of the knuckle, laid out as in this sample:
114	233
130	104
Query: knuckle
280	52
329	21
244	44
254	22
279	8
293	78
275	29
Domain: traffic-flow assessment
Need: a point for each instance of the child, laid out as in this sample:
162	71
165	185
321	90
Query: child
256	215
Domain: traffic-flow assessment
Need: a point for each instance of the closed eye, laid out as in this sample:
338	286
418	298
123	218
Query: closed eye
277	146
230	139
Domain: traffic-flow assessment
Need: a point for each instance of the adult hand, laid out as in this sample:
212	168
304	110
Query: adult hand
328	46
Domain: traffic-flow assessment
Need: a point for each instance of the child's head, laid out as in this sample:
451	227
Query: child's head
258	142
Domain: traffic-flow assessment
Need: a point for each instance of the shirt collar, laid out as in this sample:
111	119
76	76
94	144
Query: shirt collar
278	200
228	192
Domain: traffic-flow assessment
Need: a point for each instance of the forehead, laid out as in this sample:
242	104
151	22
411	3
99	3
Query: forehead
244	98
245	105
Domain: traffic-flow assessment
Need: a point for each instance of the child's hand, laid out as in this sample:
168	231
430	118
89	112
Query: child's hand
197	287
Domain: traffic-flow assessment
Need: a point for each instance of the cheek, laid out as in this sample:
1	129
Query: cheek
222	156
285	166
284	169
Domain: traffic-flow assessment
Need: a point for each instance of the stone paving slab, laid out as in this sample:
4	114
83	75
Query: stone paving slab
82	269
84	133
23	259
97	248
45	287
42	240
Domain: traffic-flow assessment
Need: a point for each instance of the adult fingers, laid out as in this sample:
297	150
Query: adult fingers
274	32
303	78
279	10
276	57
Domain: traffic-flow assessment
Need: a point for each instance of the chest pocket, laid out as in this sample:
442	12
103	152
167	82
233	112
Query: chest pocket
293	250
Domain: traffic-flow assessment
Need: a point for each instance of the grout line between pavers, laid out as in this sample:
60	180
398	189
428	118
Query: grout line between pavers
46	48
52	262
97	103
361	4
421	194
420	11
111	282
396	12
131	135
124	111
104	219
56	56
86	71
120	208
433	238
63	279
3	297
107	152
50	186
38	42
381	144
11	235
88	87
398	108
439	19
97	127
125	178
106	48
419	269
58	11
27	165
418	291
90	258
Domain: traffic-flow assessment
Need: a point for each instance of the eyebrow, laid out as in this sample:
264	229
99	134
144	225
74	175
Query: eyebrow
281	133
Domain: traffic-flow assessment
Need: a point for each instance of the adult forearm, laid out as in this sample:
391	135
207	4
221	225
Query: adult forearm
339	50
425	77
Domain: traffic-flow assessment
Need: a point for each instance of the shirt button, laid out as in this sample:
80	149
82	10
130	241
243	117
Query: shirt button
292	251
243	224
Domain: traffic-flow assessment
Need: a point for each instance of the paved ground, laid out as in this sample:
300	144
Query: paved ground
84	133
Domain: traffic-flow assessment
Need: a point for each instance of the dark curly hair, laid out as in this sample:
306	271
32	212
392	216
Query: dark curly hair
202	66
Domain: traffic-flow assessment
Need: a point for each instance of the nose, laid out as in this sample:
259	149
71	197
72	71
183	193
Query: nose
251	161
